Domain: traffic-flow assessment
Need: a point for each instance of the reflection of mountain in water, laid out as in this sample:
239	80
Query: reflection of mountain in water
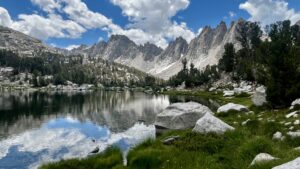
20	111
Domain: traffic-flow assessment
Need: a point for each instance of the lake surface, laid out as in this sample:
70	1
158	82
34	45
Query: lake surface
36	128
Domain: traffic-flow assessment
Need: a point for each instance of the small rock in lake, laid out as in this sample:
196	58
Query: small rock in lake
96	150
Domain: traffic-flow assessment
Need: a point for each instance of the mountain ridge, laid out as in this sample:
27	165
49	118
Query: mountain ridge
205	49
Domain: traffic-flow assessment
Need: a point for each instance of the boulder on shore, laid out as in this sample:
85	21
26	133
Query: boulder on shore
259	96
295	164
262	157
232	107
211	124
181	115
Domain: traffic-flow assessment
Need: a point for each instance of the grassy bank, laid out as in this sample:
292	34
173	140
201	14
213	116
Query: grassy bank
233	150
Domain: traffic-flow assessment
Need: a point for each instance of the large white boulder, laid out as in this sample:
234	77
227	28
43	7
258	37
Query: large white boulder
262	157
181	115
295	103
232	107
259	96
211	124
295	164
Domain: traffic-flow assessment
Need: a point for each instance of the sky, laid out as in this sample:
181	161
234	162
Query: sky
70	23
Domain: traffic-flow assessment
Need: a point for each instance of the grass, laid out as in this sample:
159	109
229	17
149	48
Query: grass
233	150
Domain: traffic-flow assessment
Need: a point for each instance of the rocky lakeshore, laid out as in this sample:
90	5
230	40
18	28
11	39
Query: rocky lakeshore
238	134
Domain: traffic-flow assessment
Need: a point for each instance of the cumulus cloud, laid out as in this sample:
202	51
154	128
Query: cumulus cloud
270	11
153	20
149	20
5	19
47	5
46	27
79	12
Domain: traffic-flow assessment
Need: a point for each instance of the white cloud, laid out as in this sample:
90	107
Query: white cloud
70	47
47	5
270	11
46	27
232	14
149	20
152	20
5	19
79	12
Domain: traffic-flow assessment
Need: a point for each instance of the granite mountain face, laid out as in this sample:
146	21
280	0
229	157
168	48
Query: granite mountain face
206	49
20	43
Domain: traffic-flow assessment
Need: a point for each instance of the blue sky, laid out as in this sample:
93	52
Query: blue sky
65	23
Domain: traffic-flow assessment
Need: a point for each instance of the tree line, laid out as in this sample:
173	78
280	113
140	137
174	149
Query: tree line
273	61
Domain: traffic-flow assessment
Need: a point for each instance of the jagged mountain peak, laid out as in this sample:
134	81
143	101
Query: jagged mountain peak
150	51
122	38
175	50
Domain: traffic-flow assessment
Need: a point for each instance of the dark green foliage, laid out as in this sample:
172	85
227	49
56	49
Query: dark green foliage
149	81
193	77
284	62
227	62
71	68
274	63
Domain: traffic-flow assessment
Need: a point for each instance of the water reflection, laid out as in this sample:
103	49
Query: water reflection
40	127
43	127
66	138
118	111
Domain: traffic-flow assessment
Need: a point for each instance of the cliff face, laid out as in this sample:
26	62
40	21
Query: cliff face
206	49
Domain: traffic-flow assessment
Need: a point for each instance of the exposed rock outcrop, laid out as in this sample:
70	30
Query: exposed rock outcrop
259	96
20	43
211	124
295	164
232	107
295	104
181	115
262	157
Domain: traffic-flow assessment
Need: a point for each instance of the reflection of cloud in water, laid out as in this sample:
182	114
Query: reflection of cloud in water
117	111
64	139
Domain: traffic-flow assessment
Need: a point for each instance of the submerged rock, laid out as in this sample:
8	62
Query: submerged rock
262	157
295	164
181	115
211	124
96	150
232	107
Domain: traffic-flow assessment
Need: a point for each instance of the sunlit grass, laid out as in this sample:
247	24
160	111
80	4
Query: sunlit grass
233	150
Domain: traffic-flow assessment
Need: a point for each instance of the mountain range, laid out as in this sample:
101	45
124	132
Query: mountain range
205	49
